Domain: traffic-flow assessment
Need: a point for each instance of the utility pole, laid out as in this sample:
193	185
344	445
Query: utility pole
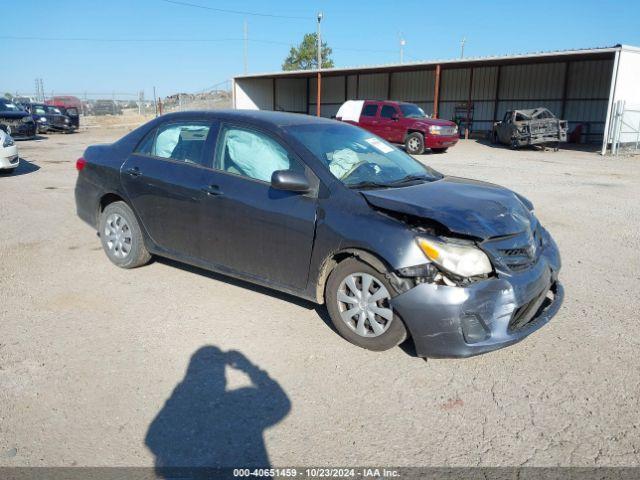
319	47
464	40
245	39
155	103
402	44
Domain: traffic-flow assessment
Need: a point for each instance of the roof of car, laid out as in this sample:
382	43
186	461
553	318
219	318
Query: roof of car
259	117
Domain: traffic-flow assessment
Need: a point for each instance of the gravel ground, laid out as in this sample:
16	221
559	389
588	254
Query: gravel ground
89	353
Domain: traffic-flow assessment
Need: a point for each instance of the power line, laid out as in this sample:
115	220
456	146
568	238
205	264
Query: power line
123	40
177	40
236	12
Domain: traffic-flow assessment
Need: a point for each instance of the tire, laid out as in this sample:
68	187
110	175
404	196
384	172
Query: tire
121	236
391	329
414	143
439	150
514	144
494	138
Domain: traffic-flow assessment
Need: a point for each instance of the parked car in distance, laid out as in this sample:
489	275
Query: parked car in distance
106	107
401	123
66	101
73	114
536	126
9	159
56	120
15	121
329	212
23	100
39	115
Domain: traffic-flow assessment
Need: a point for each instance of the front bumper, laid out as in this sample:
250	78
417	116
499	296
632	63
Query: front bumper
504	309
9	157
440	141
67	127
22	131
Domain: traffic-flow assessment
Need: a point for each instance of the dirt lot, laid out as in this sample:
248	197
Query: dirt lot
89	353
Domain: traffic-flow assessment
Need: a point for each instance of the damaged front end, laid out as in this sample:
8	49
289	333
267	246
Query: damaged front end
475	294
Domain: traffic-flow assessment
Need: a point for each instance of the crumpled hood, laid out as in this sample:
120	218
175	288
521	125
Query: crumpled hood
466	207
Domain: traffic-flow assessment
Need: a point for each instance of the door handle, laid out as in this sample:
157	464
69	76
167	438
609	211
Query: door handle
212	190
134	172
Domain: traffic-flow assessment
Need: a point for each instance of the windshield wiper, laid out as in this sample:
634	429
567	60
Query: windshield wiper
409	178
368	184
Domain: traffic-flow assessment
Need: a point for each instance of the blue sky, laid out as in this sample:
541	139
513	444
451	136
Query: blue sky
361	33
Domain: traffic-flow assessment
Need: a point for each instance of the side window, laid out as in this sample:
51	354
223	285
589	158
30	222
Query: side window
182	141
388	111
146	145
252	154
370	110
507	117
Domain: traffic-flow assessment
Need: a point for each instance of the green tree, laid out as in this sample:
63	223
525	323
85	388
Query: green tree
8	96
305	56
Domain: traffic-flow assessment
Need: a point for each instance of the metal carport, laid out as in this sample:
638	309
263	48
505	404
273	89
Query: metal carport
578	85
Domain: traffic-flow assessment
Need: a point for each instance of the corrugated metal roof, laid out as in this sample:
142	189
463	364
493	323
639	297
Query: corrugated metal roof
456	62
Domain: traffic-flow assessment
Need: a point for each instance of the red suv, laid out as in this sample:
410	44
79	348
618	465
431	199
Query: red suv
399	122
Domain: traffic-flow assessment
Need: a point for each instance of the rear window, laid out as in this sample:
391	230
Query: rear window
370	110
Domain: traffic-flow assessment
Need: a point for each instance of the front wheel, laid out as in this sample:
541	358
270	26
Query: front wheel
121	236
358	299
414	143
439	150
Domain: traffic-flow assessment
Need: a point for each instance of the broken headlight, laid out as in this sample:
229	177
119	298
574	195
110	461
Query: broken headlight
460	259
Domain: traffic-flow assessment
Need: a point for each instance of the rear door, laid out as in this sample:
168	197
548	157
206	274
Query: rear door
249	227
390	125
369	119
163	179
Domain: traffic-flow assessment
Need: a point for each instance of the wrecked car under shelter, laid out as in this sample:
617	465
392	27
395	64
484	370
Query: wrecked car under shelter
580	86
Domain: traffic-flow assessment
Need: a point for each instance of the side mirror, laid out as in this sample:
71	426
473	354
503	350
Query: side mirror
290	181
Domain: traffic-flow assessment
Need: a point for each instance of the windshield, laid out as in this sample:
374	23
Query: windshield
53	110
359	159
409	110
38	110
6	106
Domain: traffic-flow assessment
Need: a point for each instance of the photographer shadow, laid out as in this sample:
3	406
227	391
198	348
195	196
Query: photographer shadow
204	425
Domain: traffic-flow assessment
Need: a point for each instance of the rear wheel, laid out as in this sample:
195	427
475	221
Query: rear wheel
439	150
121	236
414	143
358	299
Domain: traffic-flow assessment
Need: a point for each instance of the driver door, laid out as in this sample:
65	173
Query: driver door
505	127
248	226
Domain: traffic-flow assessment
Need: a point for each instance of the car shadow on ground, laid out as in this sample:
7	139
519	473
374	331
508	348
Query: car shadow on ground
23	168
205	425
407	346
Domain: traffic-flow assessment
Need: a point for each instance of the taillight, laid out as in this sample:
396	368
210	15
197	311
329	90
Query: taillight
80	163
